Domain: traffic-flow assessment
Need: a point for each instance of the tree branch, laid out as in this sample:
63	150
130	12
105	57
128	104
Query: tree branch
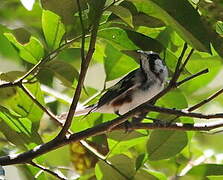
177	68
33	98
104	127
186	61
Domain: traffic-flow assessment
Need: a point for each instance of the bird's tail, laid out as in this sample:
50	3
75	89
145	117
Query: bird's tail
85	110
79	112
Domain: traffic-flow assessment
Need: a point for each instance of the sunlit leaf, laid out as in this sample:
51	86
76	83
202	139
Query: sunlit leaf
17	129
31	51
219	27
6	50
129	40
19	101
53	29
117	37
115	63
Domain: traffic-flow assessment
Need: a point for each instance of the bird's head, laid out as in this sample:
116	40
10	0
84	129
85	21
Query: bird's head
151	62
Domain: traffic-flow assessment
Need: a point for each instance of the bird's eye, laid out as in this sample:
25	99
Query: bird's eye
161	71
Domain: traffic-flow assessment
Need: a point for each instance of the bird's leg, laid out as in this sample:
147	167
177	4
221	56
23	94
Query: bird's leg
127	124
139	117
158	122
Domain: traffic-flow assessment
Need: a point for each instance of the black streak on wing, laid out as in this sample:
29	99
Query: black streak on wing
119	88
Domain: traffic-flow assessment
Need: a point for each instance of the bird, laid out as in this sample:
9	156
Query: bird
134	89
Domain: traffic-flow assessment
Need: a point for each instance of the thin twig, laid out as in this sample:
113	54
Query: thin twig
192	77
83	71
83	31
33	98
186	61
47	170
177	68
196	106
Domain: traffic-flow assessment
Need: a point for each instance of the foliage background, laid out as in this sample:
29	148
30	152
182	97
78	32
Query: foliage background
28	35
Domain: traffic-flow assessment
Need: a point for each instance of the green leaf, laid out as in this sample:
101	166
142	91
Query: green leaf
120	142
115	63
144	174
182	17
32	51
53	29
201	171
164	144
174	99
65	72
140	160
64	9
142	19
129	40
8	92
20	103
123	13
219	28
6	49
81	123
96	9
117	37
144	42
215	177
139	18
124	168
17	129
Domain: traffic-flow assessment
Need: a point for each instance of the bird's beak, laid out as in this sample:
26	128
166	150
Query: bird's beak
141	54
140	51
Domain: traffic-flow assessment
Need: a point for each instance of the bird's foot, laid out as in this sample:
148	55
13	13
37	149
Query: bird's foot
127	126
161	123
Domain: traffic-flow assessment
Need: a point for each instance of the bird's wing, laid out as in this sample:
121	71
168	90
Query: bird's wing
120	87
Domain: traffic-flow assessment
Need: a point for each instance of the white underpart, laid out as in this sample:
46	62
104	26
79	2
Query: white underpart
140	97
